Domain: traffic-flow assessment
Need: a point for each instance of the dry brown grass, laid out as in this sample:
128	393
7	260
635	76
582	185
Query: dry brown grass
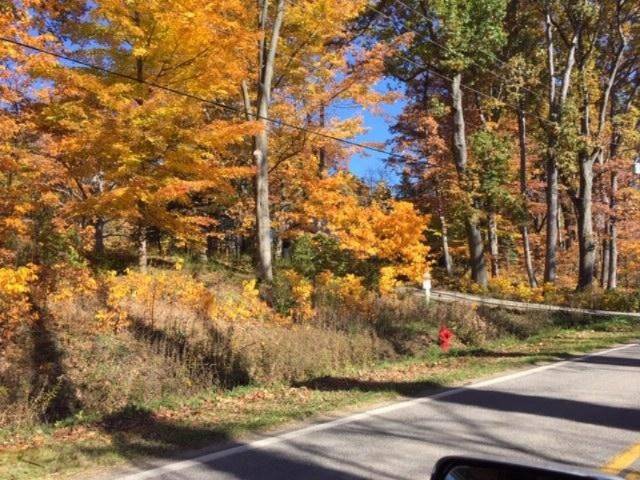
274	354
70	366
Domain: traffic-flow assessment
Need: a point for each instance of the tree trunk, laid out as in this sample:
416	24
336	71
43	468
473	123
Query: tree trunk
476	248
526	247
142	249
279	246
267	60
612	281
142	231
210	251
556	104
587	159
448	263
322	153
493	244
604	266
263	216
474	235
564	229
98	238
586	242
551	168
528	258
567	219
550	262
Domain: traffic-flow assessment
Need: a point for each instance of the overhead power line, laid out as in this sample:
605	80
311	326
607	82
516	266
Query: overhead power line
448	49
192	96
431	70
274	121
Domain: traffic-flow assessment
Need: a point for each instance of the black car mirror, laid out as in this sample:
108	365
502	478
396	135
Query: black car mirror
463	468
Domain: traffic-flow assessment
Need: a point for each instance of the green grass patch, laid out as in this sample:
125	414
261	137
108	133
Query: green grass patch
164	427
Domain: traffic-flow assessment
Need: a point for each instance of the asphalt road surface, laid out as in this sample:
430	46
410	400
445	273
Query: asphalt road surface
584	412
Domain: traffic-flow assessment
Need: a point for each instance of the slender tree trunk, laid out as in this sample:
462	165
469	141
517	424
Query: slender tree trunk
528	258
98	238
279	245
604	266
474	234
448	262
550	263
564	227
522	138
210	251
493	244
612	273
142	230
556	104
267	59
142	249
322	153
263	216
603	226
612	281
261	184
586	161
551	169
567	220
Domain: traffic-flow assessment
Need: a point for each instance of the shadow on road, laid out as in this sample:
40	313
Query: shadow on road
336	384
607	360
575	410
486	353
596	359
145	439
566	409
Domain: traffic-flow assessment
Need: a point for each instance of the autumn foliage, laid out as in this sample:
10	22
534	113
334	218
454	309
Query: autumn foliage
16	309
176	187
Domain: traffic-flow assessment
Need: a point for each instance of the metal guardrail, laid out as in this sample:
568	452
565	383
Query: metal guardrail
446	296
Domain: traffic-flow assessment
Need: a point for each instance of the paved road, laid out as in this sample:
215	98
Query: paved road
584	412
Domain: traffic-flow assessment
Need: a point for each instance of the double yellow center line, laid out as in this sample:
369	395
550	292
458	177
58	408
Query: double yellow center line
622	461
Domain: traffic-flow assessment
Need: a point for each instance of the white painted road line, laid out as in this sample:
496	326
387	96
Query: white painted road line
266	442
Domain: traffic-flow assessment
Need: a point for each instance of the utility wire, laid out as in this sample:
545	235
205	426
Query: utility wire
447	48
427	68
431	18
201	99
267	119
449	79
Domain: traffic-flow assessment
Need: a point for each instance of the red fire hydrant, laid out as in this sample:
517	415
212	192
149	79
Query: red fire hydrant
444	338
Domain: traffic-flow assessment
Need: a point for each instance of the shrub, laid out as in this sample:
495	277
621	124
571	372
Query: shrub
136	338
292	295
519	325
313	254
465	322
174	300
109	371
503	287
18	404
342	302
621	300
15	304
301	352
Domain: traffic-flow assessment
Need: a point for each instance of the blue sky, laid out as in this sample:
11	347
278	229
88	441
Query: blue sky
370	163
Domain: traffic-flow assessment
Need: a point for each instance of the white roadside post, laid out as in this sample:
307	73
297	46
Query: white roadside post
426	286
